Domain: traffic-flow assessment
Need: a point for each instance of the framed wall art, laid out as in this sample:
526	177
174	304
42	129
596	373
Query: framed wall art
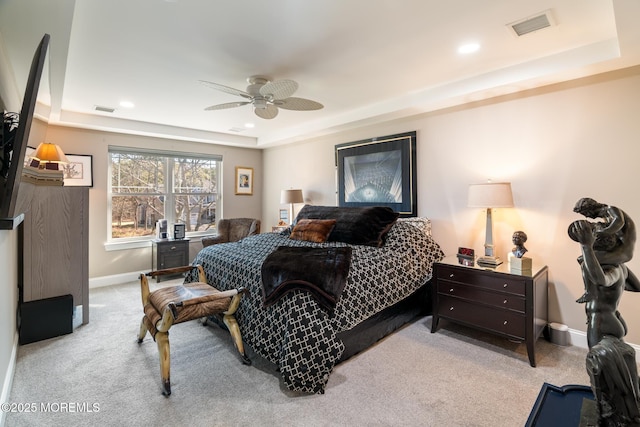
79	171
27	155
283	218
379	172
244	181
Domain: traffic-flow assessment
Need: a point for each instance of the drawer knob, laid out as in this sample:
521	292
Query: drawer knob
505	322
451	276
505	301
173	247
505	285
450	308
451	290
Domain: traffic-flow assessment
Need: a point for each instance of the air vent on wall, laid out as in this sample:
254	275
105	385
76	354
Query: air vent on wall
104	109
533	23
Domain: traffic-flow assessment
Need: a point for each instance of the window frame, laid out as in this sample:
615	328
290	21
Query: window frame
169	194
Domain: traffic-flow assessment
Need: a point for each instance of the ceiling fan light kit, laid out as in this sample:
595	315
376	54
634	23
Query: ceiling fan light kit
266	96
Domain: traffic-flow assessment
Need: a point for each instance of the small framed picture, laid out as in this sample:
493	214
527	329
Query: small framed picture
244	181
284	217
79	171
28	152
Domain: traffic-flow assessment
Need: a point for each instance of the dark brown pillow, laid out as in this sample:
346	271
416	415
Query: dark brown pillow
354	225
313	230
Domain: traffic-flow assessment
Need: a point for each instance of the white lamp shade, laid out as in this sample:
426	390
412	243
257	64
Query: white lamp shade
291	196
490	195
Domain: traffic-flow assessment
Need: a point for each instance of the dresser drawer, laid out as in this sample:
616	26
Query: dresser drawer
481	295
490	281
496	320
167	248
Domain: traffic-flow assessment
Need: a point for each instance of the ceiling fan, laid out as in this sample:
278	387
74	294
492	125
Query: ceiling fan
266	96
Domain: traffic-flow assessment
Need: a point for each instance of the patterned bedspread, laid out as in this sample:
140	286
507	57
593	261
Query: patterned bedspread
296	333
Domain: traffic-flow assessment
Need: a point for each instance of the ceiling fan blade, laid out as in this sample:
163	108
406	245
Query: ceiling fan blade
299	104
225	89
267	113
279	89
226	105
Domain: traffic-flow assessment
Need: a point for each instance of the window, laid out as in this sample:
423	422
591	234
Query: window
147	186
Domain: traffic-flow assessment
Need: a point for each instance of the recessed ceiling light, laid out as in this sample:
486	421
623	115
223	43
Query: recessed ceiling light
127	104
249	125
468	48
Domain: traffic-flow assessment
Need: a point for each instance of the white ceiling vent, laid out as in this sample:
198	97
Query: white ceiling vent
104	109
533	23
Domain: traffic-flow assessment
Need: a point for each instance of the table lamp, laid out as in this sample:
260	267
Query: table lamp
291	197
44	165
490	195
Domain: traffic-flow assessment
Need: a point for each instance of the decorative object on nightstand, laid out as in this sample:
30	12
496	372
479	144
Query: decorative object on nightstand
490	195
290	197
162	230
283	218
518	263
498	301
466	256
178	231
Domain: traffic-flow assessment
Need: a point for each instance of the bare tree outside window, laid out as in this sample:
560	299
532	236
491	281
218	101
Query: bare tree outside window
147	187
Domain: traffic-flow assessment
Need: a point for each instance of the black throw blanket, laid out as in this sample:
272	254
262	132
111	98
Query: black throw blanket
320	271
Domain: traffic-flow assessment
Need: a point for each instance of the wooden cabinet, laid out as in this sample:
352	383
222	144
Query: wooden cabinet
56	246
169	253
492	299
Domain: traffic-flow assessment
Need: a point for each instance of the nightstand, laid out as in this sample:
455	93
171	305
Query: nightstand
495	300
169	253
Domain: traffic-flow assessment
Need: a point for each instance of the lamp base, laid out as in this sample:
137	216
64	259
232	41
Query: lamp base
489	261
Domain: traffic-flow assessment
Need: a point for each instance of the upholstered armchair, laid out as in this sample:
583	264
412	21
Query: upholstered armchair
232	230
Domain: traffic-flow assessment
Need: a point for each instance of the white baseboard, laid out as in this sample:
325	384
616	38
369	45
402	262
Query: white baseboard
579	339
8	377
116	279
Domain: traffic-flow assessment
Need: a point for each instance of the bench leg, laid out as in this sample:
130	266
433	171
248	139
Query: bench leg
143	331
232	324
162	339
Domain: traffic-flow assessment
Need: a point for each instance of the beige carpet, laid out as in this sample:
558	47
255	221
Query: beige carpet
455	377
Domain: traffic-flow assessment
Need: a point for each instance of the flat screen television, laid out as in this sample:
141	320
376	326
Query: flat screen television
10	185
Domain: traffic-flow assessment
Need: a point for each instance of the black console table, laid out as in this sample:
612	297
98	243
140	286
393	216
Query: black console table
560	406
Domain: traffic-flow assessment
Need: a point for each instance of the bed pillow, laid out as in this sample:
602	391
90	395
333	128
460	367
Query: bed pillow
313	230
356	226
421	223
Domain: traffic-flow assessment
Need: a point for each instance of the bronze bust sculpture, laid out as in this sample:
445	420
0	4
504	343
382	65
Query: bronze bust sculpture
518	239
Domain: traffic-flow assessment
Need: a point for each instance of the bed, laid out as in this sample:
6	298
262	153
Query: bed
384	285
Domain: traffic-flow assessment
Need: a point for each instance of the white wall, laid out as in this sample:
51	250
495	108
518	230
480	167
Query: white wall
8	304
555	145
